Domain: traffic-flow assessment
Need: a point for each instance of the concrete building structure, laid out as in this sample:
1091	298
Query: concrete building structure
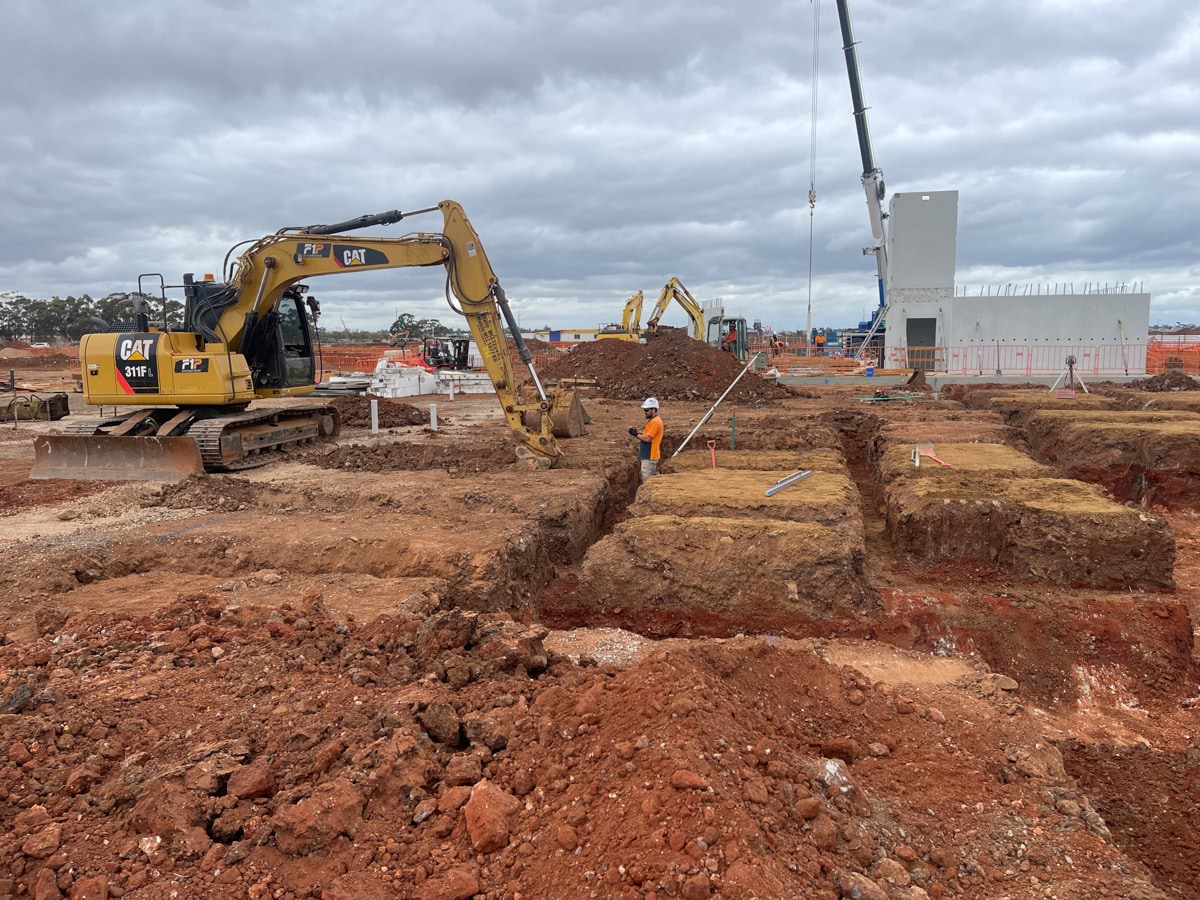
931	325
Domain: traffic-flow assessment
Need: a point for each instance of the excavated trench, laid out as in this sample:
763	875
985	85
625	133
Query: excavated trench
394	526
703	553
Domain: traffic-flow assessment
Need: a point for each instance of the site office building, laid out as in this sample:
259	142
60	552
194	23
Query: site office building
929	326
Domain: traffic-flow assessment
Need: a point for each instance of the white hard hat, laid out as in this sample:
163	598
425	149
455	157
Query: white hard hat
651	403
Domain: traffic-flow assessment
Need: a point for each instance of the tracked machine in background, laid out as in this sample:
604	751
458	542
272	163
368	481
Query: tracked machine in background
252	336
631	322
674	290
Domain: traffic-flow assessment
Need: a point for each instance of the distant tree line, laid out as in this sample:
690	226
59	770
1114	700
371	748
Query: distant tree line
418	327
69	318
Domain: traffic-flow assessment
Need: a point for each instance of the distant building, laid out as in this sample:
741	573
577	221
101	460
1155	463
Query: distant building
1021	331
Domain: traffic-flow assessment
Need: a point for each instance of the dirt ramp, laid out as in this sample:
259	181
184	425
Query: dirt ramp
1054	529
669	575
824	497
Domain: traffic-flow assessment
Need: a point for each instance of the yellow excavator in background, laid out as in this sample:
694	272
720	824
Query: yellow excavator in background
631	322
674	290
251	336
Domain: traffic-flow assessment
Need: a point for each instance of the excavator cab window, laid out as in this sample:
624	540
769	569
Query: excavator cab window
729	334
296	338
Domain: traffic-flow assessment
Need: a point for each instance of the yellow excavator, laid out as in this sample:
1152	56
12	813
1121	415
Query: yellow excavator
251	336
631	322
674	290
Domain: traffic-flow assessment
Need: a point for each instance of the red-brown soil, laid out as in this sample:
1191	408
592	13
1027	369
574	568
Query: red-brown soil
355	412
412	754
26	494
1142	456
459	458
960	391
671	366
1172	381
49	361
273	685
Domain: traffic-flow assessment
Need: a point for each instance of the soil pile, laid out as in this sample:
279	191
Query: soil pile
670	366
457	458
534	345
286	753
25	359
356	413
1167	382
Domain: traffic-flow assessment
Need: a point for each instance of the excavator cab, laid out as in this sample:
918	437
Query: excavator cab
448	353
729	334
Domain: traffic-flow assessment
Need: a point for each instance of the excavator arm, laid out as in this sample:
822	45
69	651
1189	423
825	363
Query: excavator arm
631	318
674	290
275	263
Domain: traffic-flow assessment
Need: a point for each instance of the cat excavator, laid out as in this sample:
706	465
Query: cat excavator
251	336
674	290
631	321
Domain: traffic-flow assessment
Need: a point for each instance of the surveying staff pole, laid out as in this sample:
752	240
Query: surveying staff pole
708	415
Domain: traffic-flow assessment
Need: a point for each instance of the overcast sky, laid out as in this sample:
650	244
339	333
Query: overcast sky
600	148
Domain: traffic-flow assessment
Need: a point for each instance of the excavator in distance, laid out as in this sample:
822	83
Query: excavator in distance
250	337
726	333
674	290
631	322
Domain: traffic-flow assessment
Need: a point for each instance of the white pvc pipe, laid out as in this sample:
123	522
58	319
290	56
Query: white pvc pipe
433	417
374	416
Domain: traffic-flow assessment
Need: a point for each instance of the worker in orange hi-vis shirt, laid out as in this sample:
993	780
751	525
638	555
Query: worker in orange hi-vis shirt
649	439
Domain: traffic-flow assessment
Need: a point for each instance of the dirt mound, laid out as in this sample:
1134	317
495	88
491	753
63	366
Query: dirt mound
24	359
1167	382
356	413
284	752
535	345
456	457
670	366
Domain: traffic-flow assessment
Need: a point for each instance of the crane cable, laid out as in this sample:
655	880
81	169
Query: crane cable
812	160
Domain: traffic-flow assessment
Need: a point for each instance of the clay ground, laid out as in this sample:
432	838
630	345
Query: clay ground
403	667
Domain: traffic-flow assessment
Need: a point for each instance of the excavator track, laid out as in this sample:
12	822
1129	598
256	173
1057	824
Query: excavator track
89	450
247	440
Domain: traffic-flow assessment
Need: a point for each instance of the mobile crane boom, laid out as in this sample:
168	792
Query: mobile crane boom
872	176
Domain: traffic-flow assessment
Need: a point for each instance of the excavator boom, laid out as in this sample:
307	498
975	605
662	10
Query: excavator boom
674	290
237	346
631	316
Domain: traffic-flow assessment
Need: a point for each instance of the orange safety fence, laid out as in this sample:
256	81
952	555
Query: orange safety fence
363	360
969	359
1163	355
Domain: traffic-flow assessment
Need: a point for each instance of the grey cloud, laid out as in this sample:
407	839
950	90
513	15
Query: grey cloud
599	147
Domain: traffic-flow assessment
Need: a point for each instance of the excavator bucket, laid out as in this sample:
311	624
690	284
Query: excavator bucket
568	415
102	457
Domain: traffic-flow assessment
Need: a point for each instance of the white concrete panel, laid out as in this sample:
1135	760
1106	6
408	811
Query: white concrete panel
922	239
